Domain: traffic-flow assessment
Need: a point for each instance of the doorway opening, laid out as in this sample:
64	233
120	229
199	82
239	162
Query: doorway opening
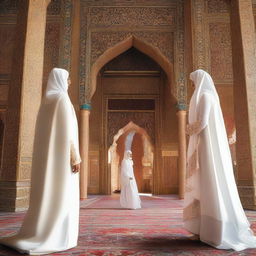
143	158
133	87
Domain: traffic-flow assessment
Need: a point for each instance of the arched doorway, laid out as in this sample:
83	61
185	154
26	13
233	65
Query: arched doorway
132	41
133	87
143	158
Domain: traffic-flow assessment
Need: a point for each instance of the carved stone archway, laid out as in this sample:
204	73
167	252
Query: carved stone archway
114	159
95	66
121	47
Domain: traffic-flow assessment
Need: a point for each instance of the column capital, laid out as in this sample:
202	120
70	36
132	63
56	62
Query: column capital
86	106
181	106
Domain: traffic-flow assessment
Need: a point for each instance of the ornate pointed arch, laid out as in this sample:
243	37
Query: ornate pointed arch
123	46
131	126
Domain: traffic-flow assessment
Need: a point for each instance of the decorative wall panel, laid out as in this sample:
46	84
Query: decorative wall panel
8	6
212	50
221	51
7	37
132	16
58	36
212	39
8	11
218	6
179	62
54	7
51	50
65	53
84	55
105	24
199	51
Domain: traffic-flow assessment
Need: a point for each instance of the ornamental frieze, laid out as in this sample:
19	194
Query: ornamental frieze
136	16
218	6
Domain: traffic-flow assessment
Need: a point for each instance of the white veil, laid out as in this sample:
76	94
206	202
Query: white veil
57	82
126	168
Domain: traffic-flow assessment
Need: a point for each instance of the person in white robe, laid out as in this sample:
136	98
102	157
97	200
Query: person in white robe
129	197
212	207
52	220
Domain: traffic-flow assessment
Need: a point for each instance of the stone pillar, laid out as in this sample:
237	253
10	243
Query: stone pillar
23	104
84	149
244	66
182	162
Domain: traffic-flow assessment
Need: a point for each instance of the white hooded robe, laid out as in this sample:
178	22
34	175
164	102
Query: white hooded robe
129	197
52	220
212	205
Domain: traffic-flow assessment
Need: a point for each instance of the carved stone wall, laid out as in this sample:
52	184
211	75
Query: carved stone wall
51	50
136	16
218	6
57	37
212	50
55	7
107	23
8	11
199	49
101	41
220	52
65	49
8	7
7	33
212	38
58	15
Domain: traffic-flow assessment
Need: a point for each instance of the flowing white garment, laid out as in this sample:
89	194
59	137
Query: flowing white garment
52	221
212	206
129	197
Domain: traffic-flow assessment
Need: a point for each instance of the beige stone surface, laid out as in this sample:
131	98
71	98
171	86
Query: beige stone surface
24	98
182	151
84	151
244	65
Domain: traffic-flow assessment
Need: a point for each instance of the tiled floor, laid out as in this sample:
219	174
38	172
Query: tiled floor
107	229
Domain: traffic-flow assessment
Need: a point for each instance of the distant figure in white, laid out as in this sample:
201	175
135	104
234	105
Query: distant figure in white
129	191
52	220
212	206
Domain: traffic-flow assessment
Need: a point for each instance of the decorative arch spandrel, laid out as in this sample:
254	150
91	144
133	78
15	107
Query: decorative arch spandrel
164	32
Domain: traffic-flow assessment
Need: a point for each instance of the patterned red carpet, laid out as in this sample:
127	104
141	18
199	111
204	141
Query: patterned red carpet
106	229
